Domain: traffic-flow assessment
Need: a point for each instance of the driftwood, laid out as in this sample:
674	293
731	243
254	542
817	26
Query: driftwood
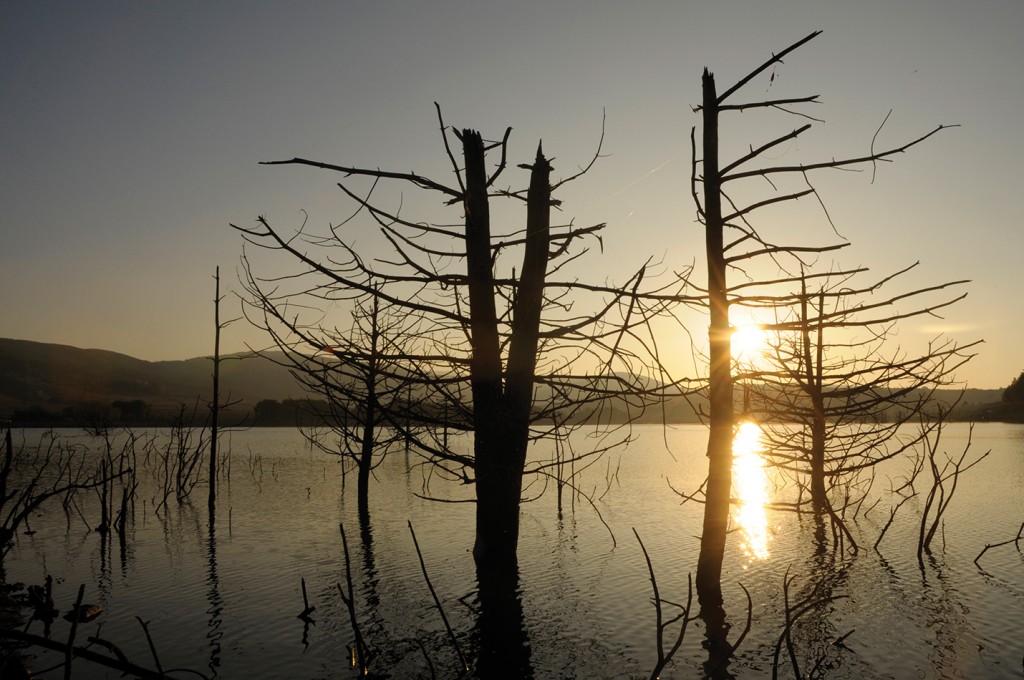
117	662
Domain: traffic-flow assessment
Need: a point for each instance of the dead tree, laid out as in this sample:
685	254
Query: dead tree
32	476
492	349
944	483
725	207
838	396
216	405
357	391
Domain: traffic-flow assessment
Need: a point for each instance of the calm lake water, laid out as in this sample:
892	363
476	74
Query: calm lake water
227	605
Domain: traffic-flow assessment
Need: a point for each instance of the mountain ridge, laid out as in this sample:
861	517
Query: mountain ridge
53	378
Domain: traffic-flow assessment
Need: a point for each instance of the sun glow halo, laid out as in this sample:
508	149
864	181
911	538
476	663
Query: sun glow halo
749	341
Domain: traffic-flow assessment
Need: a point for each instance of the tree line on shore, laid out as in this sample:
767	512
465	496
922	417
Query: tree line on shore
978	406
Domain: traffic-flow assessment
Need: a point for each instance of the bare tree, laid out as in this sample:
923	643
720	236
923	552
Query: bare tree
722	194
32	476
358	391
944	483
215	403
509	354
839	395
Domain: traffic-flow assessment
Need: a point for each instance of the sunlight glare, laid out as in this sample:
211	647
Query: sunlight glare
750	483
748	341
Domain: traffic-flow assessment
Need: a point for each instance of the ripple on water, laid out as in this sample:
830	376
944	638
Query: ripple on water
586	600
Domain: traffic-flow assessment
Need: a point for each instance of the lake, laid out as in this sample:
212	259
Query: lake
227	604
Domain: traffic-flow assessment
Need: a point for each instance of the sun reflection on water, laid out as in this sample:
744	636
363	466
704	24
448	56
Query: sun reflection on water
750	483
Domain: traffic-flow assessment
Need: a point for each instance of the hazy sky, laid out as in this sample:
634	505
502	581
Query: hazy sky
130	135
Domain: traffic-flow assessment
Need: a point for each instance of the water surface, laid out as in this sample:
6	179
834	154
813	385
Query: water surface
226	603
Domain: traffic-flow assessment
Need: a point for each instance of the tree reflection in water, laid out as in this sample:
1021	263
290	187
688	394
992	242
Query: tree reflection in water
572	607
213	598
503	645
750	489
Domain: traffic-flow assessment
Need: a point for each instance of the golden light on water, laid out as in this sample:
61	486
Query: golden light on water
750	484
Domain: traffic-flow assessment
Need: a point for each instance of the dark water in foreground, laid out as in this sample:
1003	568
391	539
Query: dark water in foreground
227	604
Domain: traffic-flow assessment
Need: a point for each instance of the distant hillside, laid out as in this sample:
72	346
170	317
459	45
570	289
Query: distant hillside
84	383
47	384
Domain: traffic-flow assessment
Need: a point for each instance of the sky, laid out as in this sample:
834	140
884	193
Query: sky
131	135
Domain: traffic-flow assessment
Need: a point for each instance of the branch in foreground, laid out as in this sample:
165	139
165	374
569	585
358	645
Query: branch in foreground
1015	540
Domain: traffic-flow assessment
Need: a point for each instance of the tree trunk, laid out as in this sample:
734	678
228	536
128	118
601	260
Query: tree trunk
8	465
819	496
215	405
719	485
501	413
813	388
504	646
370	416
497	485
529	300
365	463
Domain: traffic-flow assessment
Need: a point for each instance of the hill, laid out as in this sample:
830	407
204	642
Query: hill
48	384
82	385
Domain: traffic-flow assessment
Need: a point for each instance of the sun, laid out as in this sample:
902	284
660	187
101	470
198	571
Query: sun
749	341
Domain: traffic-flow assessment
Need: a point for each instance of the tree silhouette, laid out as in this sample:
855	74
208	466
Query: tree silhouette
510	354
839	395
722	192
355	389
1015	392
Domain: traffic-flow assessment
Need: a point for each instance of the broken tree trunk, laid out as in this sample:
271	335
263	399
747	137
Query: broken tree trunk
719	485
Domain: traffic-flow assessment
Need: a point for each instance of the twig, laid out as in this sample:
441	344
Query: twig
152	647
665	657
750	619
939	497
114	649
430	664
789	627
793	613
307	609
70	648
362	653
1015	540
840	641
892	516
437	602
87	654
